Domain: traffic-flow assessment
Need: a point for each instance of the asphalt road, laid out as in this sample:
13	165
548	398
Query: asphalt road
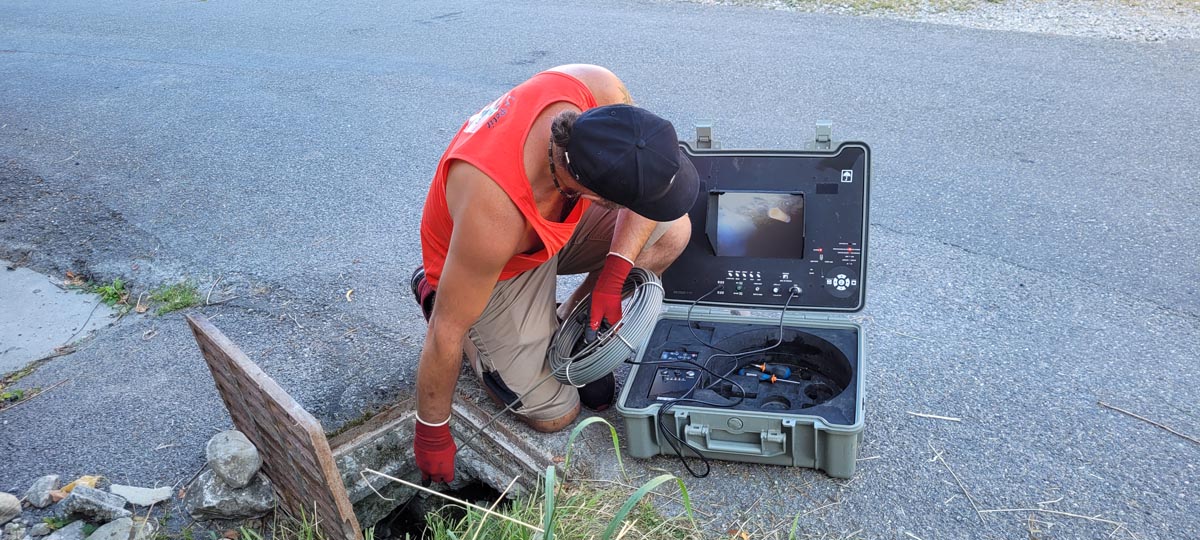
1035	228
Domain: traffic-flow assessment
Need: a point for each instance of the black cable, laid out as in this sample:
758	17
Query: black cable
779	342
673	440
689	318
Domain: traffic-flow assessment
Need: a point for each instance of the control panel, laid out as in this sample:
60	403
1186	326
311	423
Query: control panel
672	381
774	228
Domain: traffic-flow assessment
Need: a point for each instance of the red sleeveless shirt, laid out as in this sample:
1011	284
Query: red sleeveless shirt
493	141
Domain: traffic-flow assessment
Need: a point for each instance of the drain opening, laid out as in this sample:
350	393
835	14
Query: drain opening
409	520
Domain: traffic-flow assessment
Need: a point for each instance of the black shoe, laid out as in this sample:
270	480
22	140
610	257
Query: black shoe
598	395
415	281
422	292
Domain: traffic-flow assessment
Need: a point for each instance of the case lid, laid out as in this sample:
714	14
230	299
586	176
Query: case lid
776	227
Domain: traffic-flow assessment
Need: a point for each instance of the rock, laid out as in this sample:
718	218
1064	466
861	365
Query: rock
235	460
140	496
91	502
39	493
40	529
114	530
14	531
10	507
74	531
144	529
211	498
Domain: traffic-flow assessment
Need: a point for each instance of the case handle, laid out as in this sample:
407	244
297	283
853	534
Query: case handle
771	442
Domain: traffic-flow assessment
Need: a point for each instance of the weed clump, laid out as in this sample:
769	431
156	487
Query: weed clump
175	297
113	293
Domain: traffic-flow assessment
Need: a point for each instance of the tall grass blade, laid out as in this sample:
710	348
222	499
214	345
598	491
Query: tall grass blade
579	429
548	510
637	496
795	523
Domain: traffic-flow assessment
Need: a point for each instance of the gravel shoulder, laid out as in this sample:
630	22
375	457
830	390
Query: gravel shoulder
1124	20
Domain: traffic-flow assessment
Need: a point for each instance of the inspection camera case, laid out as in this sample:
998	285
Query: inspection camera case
769	229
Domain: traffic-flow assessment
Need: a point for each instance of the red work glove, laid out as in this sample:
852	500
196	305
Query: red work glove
433	449
606	296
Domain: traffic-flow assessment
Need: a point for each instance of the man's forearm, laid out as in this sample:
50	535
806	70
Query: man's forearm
437	374
630	234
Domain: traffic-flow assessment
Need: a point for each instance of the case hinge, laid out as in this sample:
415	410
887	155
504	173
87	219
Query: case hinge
704	138
824	138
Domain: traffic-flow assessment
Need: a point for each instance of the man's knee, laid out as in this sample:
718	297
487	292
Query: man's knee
665	245
675	239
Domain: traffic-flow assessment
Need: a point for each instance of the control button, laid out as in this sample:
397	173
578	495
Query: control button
775	290
729	273
757	288
839	283
738	288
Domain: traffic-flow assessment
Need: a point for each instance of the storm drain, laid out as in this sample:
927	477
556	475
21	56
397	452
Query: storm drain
408	521
314	474
384	443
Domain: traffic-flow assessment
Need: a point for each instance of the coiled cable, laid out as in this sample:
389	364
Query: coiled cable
577	363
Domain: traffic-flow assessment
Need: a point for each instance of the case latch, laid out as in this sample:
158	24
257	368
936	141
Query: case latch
704	138
824	138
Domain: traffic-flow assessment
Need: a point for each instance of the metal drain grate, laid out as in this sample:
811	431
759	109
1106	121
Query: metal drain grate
296	455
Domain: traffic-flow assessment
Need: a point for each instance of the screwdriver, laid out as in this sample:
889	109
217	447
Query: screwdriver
773	379
782	371
769	377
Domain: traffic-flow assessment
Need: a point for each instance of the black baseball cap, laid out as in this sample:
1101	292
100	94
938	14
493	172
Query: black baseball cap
631	156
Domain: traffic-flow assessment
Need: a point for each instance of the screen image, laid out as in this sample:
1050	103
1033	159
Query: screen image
768	225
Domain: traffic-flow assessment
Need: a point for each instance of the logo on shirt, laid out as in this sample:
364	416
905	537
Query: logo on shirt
490	115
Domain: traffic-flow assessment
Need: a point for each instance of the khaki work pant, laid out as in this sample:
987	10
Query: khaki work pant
511	337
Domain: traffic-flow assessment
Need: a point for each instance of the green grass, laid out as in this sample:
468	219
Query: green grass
579	511
563	510
574	510
175	297
15	395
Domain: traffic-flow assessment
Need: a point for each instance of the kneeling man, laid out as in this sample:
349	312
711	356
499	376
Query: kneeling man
561	175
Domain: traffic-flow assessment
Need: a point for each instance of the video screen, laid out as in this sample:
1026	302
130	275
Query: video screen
768	225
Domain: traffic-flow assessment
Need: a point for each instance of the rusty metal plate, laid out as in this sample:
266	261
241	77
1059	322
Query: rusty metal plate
296	455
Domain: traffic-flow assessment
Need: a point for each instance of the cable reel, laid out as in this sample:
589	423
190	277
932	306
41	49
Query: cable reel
577	363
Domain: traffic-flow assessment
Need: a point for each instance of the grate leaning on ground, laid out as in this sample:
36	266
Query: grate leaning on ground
295	452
